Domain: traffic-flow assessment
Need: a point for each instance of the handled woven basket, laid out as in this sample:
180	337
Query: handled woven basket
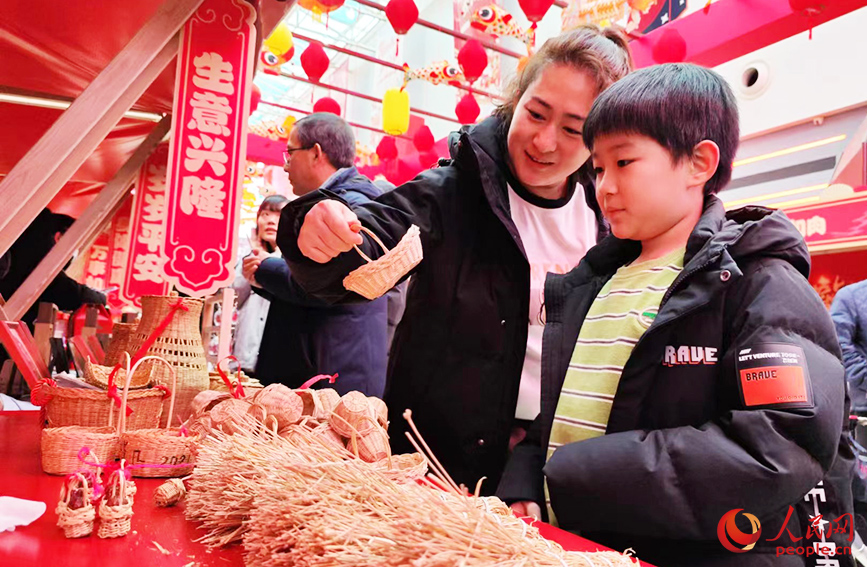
90	408
97	375
75	511
376	277
156	453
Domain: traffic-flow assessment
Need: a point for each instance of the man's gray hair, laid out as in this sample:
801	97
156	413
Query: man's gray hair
333	135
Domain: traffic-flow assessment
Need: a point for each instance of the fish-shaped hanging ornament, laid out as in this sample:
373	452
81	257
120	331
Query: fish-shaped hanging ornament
437	74
497	22
604	13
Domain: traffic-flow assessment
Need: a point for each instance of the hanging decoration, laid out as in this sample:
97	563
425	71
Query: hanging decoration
288	124
473	60
395	112
271	129
402	15
319	7
809	8
467	109
255	97
387	148
535	10
497	22
314	61
278	48
604	13
436	74
327	104
423	139
670	47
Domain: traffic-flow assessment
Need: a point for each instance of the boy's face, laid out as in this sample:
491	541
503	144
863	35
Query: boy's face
643	193
544	141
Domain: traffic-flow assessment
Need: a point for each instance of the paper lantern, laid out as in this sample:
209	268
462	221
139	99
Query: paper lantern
319	7
669	48
288	124
387	148
327	104
255	97
473	59
314	61
401	14
280	43
395	112
423	139
467	110
535	10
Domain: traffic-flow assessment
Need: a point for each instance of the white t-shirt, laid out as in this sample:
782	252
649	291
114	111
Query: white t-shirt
556	235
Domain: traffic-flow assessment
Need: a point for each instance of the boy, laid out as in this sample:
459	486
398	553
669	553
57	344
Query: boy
689	368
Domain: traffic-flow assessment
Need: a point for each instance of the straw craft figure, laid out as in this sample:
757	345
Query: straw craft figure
75	511
373	279
169	493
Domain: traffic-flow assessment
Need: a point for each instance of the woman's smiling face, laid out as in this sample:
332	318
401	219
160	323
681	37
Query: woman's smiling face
545	142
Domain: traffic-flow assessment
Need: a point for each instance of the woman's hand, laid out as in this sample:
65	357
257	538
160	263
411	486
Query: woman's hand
527	508
330	228
251	263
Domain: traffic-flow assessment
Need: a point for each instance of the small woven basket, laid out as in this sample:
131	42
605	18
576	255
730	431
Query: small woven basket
121	336
353	415
97	375
90	408
159	453
375	278
115	509
281	402
75	511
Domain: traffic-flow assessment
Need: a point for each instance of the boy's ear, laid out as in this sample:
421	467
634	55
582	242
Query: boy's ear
704	162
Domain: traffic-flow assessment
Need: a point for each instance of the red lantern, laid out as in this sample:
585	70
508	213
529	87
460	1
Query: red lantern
473	59
255	97
423	139
809	8
332	4
535	10
401	14
387	148
669	48
327	104
467	109
314	61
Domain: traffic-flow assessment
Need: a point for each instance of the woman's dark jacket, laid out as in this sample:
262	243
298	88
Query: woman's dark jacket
458	352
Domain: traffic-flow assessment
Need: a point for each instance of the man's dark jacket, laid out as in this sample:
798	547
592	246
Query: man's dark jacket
682	447
305	336
458	352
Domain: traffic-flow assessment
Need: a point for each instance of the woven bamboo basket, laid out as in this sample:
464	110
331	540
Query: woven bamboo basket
170	449
229	414
121	335
352	415
250	385
90	408
115	509
169	493
206	400
75	511
373	446
97	375
373	279
180	343
61	445
380	410
281	402
328	400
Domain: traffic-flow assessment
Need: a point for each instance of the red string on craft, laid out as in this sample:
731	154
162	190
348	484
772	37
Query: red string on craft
166	391
37	397
237	392
142	351
331	378
111	391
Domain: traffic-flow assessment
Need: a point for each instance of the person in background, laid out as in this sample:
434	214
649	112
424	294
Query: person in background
849	311
691	371
514	202
305	336
397	295
252	307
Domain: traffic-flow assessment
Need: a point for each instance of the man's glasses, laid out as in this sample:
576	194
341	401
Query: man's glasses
287	153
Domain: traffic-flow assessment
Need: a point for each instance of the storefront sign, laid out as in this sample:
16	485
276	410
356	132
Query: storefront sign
144	268
835	225
118	255
96	267
208	146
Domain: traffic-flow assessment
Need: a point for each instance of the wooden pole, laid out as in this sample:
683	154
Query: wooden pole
100	211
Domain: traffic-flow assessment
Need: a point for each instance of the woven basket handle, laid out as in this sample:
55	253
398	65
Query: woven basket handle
174	383
375	239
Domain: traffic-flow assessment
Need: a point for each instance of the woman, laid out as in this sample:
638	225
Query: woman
253	308
508	207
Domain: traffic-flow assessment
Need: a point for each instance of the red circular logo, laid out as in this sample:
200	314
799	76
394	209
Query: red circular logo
733	538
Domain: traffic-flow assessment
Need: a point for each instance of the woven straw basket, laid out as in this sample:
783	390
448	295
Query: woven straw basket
115	509
97	375
180	344
159	446
75	511
91	408
378	276
121	335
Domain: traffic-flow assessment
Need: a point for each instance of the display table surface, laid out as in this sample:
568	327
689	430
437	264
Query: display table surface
42	543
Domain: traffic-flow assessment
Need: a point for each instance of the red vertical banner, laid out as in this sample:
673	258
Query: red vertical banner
96	267
208	146
118	255
143	272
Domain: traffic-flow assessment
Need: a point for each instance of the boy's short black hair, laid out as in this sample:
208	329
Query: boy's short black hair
678	105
